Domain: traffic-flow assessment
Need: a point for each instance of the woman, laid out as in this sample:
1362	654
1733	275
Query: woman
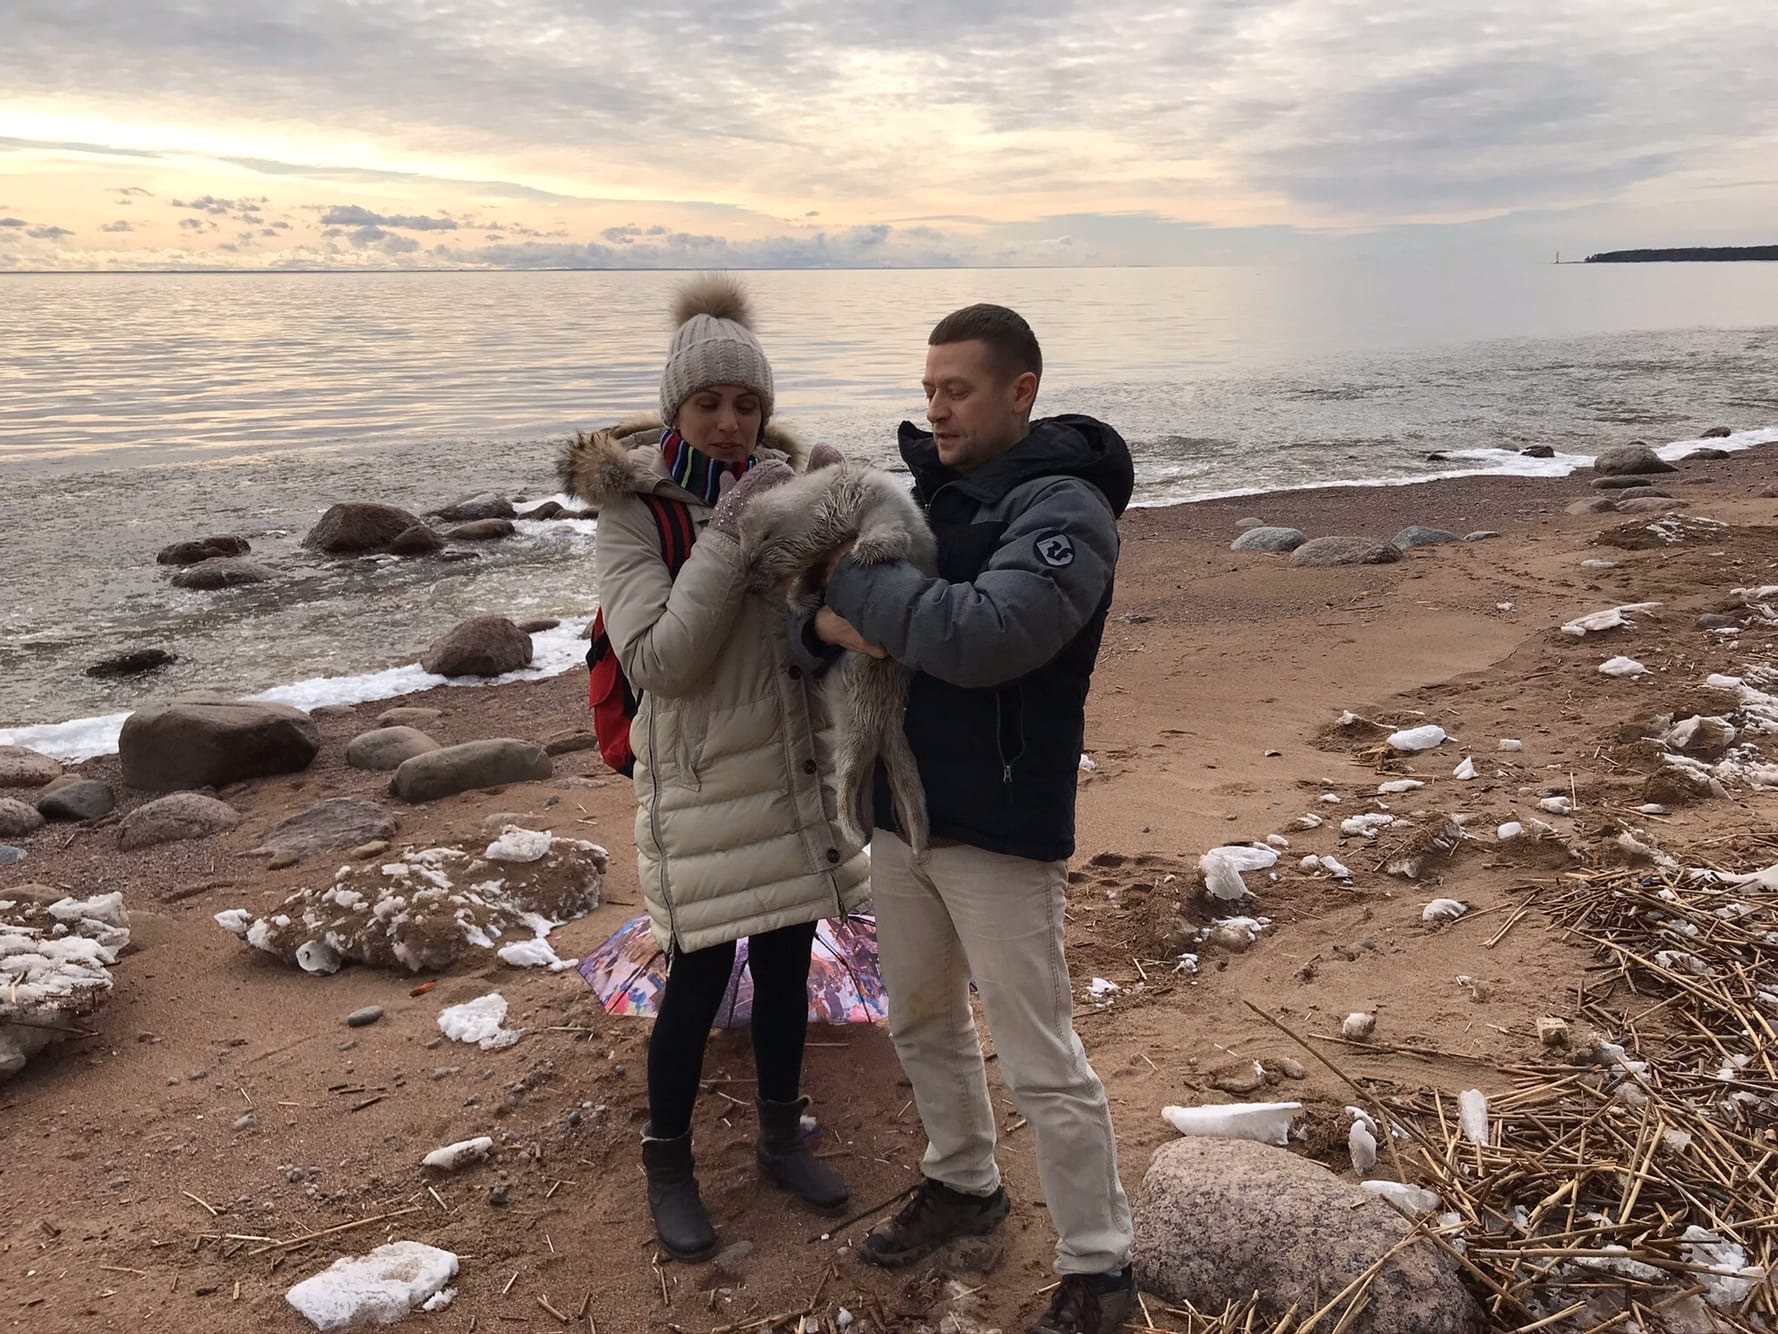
737	831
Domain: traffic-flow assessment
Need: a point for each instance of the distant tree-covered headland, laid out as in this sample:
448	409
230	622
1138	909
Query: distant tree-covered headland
1685	254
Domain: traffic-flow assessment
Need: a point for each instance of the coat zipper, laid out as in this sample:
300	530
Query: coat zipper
654	826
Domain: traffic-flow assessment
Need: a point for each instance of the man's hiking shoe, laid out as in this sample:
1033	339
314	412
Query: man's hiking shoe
935	1216
1090	1304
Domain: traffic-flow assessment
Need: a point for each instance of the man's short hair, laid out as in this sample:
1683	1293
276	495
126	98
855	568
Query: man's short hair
1011	344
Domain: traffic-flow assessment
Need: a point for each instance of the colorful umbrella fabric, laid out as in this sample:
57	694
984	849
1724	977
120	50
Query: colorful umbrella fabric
629	970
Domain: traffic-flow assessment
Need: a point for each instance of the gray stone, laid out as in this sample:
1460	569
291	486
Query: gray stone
480	646
1251	521
420	540
339	822
1632	458
484	506
1266	538
18	819
207	740
222	572
1482	535
1716	433
732	1259
204	548
170	819
387	747
549	509
480	530
474	764
280	860
408	716
1220	1220
1627	482
1325	551
1539	451
23	767
1594	505
1652	505
1642	493
566	743
365	1017
1710	620
365	851
357	526
9	854
84	799
1414	535
133	663
539	625
1706	456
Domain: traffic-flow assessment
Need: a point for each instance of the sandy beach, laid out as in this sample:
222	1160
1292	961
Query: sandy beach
172	1172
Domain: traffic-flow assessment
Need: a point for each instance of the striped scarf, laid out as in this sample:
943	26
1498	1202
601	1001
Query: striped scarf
695	470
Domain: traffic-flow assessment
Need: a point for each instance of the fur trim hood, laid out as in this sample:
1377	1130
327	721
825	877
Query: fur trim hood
599	466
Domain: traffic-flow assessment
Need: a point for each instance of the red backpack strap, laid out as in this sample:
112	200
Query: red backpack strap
677	531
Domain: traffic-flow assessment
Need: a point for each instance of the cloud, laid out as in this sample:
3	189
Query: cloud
208	204
13	222
196	225
48	233
350	215
119	226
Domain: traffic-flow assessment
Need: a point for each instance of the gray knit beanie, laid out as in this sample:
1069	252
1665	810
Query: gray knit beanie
714	344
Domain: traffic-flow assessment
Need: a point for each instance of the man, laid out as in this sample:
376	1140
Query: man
1002	645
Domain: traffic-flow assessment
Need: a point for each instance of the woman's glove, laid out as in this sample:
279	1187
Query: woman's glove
737	496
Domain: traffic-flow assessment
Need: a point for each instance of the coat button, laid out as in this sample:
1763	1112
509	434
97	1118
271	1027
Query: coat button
796	673
833	855
809	767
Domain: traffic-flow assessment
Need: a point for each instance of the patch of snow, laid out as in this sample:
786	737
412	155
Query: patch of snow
519	845
1306	822
1472	1116
1622	667
1279	842
1443	910
1510	830
1103	989
479	1021
1265	1122
1730	1280
1612	618
533	954
1365	826
1361	1143
1465	772
439	1300
1330	798
1087	765
1334	868
380	1288
1556	805
1398	786
1412	739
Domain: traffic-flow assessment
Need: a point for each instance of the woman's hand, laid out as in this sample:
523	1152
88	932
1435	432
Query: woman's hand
737	496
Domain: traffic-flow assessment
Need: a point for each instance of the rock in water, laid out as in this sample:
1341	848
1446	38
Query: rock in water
1220	1220
204	548
1706	455
420	540
1414	535
377	1289
20	767
133	663
549	509
357	527
17	819
387	748
340	822
222	572
480	530
539	624
1326	551
171	819
480	646
484	506
209	740
1631	458
1717	433
85	799
1539	451
1269	539
474	764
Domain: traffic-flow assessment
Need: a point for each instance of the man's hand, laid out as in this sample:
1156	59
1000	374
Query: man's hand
832	628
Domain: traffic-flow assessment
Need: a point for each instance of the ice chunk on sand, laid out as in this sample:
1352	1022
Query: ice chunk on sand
1412	739
1398	786
1362	1145
1365	825
1465	772
478	1021
1279	842
1266	1122
1556	805
438	1301
1622	666
1087	766
1103	989
317	956
1303	822
453	1156
377	1289
519	845
1443	910
1612	618
1511	743
1330	798
1730	1279
1510	830
1358	1025
533	954
1410	1200
1472	1115
1334	867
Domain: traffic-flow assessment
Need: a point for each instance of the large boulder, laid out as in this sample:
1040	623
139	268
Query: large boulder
1706	455
1592	505
1323	551
18	819
420	540
132	663
1539	451
221	572
83	799
1269	538
484	506
1628	481
474	764
480	530
207	741
1220	1220
387	748
1651	505
341	822
357	526
22	767
170	819
1631	458
1415	535
204	548
1717	433
480	646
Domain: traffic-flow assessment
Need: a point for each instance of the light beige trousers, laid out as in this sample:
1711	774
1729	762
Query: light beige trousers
969	914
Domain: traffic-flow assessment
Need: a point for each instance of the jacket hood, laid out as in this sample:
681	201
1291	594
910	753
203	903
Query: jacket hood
599	466
1066	446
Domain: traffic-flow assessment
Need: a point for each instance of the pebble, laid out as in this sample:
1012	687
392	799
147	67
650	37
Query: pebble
497	1197
348	1044
8	853
730	1260
618	1070
365	1017
574	1117
375	848
445	1071
282	859
1292	1068
245	1122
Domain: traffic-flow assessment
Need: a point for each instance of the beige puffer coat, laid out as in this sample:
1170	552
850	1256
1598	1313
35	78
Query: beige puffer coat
737	830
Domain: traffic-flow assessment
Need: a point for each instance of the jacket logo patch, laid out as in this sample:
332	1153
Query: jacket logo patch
1055	550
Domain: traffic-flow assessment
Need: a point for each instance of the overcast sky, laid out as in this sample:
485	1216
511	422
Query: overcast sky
791	133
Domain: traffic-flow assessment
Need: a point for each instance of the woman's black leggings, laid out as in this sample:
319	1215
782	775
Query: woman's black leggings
779	964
